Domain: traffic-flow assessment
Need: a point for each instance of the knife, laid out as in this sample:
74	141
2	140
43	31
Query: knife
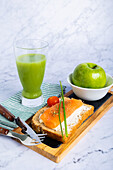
26	129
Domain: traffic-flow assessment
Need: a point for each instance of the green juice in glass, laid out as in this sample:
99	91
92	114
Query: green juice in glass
31	68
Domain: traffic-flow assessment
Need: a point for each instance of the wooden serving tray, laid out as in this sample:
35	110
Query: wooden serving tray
55	150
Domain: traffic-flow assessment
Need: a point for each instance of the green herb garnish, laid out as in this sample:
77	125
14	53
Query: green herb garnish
65	123
60	121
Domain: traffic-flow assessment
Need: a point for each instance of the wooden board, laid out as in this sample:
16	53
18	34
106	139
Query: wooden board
57	154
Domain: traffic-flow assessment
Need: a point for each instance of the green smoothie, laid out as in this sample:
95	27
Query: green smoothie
31	68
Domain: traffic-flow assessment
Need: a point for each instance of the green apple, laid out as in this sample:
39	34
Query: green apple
89	75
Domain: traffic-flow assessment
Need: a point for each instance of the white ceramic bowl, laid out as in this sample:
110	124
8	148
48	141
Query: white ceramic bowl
91	94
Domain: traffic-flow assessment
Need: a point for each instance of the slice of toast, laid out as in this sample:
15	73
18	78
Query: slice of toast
72	122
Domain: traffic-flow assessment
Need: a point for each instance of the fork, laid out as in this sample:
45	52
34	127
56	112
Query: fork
26	129
9	126
25	139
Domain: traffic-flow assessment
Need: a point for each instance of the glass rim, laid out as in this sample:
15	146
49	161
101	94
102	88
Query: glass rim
46	44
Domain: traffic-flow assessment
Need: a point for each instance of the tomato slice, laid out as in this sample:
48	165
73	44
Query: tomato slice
52	100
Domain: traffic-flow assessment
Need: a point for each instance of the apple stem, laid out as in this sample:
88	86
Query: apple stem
94	67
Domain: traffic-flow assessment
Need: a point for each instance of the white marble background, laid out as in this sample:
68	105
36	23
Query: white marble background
77	31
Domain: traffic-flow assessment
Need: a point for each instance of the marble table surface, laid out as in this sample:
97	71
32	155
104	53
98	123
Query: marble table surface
77	31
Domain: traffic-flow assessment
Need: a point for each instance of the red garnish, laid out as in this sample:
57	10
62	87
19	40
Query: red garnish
52	100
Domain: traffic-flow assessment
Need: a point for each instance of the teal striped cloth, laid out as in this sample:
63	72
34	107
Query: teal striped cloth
13	104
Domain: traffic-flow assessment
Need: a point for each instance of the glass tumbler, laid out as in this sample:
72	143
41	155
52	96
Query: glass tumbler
31	61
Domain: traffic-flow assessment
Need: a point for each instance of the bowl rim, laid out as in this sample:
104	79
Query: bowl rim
90	89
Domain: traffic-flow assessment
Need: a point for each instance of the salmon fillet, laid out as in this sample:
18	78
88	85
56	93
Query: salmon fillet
50	116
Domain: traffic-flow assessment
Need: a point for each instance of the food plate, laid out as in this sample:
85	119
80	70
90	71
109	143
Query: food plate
55	150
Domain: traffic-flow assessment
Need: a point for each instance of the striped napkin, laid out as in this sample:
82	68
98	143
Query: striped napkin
13	104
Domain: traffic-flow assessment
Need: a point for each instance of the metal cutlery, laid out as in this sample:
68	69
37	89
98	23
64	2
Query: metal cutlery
4	124
26	129
25	139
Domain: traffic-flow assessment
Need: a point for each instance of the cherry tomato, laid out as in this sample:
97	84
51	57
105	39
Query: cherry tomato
52	100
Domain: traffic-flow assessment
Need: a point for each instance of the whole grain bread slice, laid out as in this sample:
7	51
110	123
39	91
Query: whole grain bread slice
39	127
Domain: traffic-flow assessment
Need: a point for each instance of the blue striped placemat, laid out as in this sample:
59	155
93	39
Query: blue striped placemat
13	104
